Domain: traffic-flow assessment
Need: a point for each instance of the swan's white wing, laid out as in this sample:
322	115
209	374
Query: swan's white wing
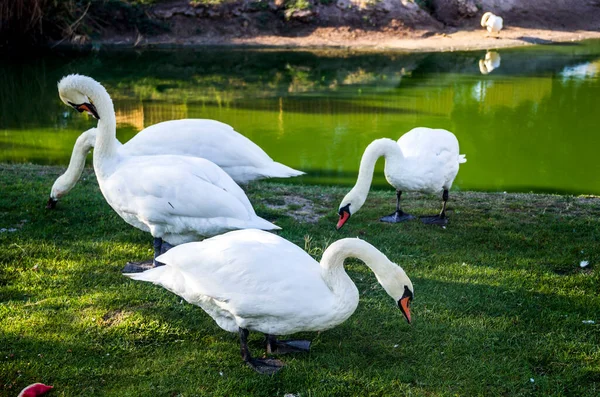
241	158
209	139
431	158
254	275
174	191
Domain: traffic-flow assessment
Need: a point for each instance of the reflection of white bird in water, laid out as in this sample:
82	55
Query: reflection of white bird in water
490	62
493	23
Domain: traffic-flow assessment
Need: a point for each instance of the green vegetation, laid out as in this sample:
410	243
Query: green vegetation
501	302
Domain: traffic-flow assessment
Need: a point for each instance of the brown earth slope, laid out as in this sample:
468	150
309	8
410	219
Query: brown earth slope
376	24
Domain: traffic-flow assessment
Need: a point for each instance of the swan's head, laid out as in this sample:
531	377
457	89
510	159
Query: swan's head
71	91
59	189
399	287
351	203
485	18
37	389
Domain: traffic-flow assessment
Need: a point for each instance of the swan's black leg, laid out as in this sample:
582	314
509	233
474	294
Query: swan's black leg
267	366
399	215
158	245
286	346
440	219
165	247
138	267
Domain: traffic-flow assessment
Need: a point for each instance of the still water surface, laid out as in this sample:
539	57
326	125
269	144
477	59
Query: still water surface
530	124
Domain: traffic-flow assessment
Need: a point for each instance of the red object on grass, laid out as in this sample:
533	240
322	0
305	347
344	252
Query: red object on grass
37	389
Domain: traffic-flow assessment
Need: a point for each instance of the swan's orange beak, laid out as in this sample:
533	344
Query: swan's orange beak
88	108
403	304
344	216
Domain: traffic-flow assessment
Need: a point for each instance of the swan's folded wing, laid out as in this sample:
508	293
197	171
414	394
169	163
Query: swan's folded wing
209	139
159	187
251	273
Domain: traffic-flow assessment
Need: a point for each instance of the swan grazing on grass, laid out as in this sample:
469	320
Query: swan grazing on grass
237	155
177	199
423	160
250	280
493	23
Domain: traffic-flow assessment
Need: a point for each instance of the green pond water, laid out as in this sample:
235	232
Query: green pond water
531	124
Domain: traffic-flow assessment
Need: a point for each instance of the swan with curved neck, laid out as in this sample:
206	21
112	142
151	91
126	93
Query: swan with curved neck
493	23
237	155
490	62
67	181
250	280
422	160
177	199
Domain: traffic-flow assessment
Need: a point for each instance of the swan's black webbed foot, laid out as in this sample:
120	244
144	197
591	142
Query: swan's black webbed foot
434	220
397	217
286	346
138	267
265	366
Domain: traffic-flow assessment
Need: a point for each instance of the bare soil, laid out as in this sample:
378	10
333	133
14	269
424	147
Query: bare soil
365	24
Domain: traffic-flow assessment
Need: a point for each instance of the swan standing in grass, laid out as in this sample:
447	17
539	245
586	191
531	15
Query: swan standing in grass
423	160
493	23
177	199
250	280
237	155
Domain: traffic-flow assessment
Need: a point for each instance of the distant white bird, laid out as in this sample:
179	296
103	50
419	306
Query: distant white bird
177	199
250	280
493	23
423	160
237	155
490	62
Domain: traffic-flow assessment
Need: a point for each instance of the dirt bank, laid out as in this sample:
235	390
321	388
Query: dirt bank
367	24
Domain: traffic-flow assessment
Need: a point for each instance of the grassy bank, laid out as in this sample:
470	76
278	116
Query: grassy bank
501	302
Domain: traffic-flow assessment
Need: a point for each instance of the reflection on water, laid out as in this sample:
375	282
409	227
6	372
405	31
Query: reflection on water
529	125
490	62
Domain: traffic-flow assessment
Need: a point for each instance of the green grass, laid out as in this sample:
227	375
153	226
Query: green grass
499	298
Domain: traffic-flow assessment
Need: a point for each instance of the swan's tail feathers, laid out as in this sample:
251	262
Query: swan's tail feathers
462	158
263	224
150	275
169	277
278	170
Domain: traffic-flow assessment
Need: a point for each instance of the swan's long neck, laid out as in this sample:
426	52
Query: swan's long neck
380	147
335	276
66	181
106	136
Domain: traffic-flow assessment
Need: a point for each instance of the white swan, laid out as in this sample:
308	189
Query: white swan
493	23
177	199
423	160
237	155
250	280
490	62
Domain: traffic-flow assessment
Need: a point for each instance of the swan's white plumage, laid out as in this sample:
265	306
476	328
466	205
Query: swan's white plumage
259	281
176	198
493	23
490	62
237	155
422	160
